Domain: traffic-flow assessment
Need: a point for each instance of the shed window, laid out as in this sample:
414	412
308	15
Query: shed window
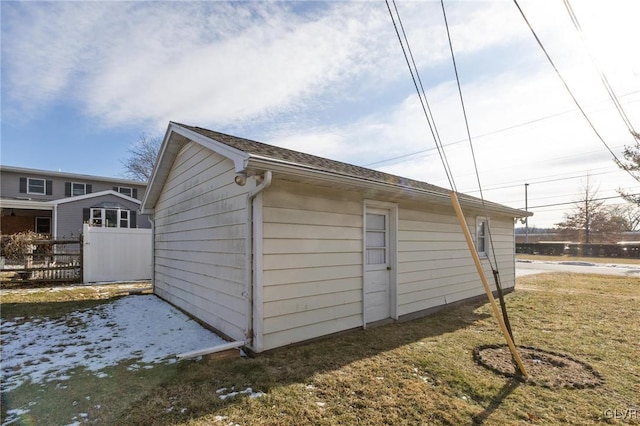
376	239
482	235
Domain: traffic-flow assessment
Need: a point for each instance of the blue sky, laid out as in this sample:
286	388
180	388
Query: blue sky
81	81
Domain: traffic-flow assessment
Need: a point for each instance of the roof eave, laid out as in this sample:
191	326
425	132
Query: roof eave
295	169
80	176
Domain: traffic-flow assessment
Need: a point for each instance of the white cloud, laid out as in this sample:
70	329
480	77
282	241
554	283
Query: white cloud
278	70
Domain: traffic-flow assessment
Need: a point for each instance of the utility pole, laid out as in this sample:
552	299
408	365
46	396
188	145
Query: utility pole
526	208
587	227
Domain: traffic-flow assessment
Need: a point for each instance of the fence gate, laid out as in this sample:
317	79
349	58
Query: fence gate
45	261
116	254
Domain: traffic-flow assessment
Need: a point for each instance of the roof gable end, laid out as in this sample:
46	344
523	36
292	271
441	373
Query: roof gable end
93	195
176	137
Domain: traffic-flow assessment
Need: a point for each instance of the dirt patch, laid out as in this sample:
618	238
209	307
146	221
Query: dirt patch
548	369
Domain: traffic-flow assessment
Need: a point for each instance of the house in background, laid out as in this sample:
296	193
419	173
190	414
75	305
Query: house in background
271	246
58	203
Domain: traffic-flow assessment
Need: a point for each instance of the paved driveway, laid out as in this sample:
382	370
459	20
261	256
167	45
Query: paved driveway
526	267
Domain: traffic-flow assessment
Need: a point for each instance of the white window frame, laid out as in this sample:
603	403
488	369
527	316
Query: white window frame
127	219
484	238
130	189
93	219
44	186
73	191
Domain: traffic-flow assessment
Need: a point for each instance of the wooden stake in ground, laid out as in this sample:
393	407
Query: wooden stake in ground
485	283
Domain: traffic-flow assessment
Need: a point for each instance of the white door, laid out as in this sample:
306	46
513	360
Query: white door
377	295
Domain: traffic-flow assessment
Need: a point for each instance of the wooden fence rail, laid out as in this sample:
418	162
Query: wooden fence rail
45	261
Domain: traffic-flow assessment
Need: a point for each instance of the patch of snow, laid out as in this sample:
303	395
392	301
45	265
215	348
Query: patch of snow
247	391
142	328
321	404
220	418
14	416
576	263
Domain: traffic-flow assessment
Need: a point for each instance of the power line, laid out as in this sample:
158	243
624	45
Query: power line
411	154
424	95
620	163
603	77
420	95
515	185
575	202
464	109
563	196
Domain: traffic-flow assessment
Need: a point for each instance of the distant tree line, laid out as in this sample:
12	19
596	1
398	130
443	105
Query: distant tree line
590	220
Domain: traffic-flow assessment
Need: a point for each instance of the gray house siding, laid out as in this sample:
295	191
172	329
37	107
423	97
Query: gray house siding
70	214
10	185
20	207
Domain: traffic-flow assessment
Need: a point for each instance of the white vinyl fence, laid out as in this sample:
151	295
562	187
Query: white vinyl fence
116	254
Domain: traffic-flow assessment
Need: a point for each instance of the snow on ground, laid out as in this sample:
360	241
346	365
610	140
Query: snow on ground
141	328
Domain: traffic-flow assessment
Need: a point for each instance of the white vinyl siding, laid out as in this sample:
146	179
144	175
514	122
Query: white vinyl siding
200	227
312	260
434	264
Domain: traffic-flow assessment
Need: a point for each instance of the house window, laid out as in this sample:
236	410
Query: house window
78	189
73	189
482	235
110	218
43	225
124	218
97	217
36	186
125	191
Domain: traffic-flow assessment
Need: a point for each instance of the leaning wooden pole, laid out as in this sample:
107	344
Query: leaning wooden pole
485	283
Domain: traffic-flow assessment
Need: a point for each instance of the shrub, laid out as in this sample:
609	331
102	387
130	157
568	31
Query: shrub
15	246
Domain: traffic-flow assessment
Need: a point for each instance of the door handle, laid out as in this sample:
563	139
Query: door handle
388	268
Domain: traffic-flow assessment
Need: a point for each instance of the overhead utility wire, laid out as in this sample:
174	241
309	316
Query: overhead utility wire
532	182
603	77
535	120
496	273
577	202
620	163
424	95
466	123
422	102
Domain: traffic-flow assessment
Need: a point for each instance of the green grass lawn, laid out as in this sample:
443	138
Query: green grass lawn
417	372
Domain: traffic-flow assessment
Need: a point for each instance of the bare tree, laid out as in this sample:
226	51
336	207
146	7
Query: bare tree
591	221
631	163
630	214
142	157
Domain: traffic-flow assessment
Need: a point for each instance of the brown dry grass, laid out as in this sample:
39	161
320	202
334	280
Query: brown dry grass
418	372
422	372
71	292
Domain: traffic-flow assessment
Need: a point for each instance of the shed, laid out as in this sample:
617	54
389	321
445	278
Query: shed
272	246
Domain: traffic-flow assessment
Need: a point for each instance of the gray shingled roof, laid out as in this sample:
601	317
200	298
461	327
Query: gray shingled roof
259	149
